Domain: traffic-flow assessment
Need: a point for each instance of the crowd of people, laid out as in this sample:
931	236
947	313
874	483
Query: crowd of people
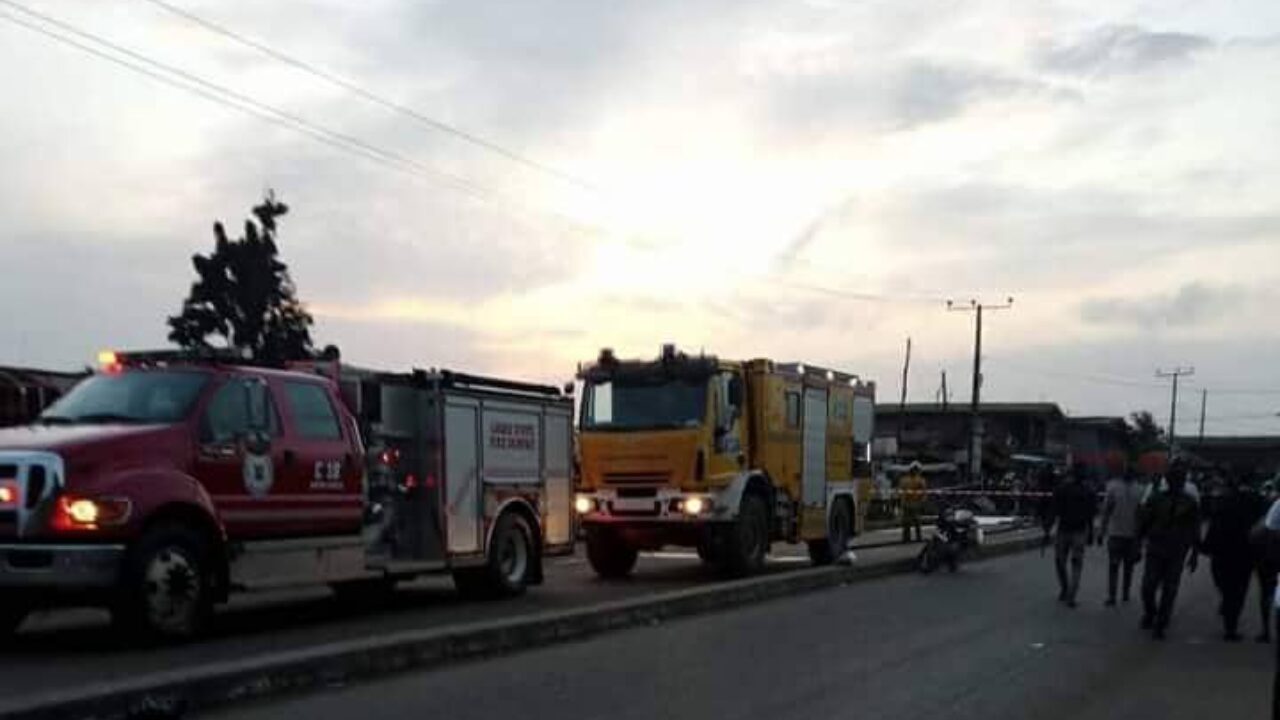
1166	523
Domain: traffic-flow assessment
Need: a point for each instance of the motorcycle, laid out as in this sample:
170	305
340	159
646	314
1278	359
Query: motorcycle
955	534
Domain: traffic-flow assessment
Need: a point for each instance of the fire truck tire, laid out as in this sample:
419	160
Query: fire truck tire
746	541
166	586
609	556
510	565
707	553
12	612
839	531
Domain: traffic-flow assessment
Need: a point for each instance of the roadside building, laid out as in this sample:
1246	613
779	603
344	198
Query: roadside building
24	392
1013	433
1241	454
1100	444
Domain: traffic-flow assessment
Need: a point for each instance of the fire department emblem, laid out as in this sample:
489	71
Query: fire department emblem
258	474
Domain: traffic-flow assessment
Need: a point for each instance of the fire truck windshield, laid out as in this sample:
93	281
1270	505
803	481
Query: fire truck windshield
644	404
149	396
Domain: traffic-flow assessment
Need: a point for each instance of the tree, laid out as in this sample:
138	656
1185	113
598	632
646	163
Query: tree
1144	433
243	293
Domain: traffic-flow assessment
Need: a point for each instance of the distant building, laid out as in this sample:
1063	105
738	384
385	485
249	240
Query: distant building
24	392
1257	454
1012	433
1100	444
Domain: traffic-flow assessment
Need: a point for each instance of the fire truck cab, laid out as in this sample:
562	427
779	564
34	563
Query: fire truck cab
161	484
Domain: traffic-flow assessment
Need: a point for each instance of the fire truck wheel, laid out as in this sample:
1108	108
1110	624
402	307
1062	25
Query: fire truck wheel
839	531
12	612
165	591
609	556
509	566
707	553
747	540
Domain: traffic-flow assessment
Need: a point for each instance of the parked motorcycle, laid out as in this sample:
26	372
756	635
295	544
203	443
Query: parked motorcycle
955	534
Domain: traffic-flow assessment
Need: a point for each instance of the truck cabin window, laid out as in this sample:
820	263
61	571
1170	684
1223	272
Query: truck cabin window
644	404
312	413
143	396
238	408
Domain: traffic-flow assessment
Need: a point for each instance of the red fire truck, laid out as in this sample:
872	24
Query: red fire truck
165	482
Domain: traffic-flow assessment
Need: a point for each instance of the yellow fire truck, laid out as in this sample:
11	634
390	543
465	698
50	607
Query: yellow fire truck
719	455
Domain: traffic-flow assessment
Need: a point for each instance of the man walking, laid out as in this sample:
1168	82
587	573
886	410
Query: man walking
1227	542
1266	567
912	488
1073	508
1169	524
1120	528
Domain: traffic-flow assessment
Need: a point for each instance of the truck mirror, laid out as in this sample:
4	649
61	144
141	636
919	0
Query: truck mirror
255	442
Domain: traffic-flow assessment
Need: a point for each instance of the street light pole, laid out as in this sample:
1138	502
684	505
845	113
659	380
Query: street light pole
975	415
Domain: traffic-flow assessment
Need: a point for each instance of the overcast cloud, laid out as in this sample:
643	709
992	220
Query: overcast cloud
803	180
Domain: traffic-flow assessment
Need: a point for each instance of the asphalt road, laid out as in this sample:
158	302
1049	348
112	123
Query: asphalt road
989	642
57	649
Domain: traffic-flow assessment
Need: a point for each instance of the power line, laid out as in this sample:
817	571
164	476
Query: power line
190	82
221	94
351	87
855	295
1083	377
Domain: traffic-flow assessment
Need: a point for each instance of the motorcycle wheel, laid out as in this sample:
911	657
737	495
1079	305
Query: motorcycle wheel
927	561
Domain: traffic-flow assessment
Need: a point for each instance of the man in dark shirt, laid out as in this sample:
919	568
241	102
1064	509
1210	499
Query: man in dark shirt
1073	508
1233	515
1169	524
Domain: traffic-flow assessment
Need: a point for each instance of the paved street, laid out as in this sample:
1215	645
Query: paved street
64	648
989	642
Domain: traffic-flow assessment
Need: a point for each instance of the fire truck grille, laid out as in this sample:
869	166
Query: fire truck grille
37	476
644	478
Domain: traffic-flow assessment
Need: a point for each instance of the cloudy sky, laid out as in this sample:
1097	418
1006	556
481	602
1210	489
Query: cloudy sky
798	180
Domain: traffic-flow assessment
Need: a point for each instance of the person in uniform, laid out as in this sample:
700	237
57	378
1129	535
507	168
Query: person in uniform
912	489
1169	526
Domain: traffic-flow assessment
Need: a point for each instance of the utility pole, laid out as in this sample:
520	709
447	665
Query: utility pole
1173	401
975	416
1204	398
902	404
943	391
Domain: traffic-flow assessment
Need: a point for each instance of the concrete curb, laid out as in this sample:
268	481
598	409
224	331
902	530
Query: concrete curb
218	685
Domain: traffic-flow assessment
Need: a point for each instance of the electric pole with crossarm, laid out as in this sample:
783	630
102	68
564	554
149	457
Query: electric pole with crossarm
975	416
1173	402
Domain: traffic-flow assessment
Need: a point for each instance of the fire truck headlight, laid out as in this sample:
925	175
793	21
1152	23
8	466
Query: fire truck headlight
82	511
694	506
89	514
583	504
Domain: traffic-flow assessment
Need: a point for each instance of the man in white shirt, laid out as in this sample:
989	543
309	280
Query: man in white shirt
1120	528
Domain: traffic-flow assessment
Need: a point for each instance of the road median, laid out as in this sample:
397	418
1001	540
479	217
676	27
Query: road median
216	685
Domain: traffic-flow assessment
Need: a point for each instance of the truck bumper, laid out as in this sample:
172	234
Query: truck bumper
60	567
652	522
663	506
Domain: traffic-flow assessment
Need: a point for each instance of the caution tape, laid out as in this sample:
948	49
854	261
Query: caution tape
893	494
